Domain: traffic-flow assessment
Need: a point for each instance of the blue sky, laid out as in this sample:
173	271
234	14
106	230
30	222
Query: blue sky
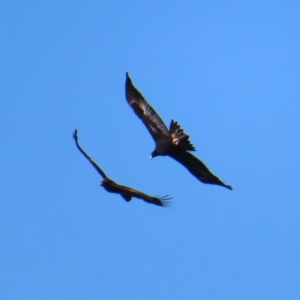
227	72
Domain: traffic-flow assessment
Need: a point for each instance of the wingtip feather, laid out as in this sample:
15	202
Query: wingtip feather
75	136
229	187
165	200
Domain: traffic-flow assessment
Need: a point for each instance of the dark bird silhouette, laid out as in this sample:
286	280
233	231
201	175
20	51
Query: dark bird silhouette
126	192
173	141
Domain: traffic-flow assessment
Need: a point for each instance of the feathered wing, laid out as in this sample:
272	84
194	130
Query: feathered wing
127	193
160	201
75	136
197	167
144	111
179	138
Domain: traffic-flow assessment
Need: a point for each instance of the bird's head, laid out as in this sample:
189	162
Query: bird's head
154	153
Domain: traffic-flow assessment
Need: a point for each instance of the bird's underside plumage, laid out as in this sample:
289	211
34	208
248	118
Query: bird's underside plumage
173	142
126	192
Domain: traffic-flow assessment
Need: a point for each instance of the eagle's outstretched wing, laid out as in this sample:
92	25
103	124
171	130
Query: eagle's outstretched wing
197	167
127	193
75	136
144	111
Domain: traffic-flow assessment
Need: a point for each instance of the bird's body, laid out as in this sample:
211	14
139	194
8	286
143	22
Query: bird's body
171	142
127	193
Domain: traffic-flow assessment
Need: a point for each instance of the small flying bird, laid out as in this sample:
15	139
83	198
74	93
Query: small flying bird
126	192
172	142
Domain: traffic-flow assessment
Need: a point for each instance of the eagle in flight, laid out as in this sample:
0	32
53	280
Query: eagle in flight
172	142
126	192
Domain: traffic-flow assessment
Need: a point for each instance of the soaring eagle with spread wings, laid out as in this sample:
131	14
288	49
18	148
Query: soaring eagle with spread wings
126	192
173	141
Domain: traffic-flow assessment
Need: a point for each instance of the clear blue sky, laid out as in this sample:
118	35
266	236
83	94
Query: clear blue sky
228	73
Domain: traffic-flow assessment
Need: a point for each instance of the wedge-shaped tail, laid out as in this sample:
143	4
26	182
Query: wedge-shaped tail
179	138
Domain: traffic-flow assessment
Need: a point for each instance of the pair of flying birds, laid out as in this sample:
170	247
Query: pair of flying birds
172	142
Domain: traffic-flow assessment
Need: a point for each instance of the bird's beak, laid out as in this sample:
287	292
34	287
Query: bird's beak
150	157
